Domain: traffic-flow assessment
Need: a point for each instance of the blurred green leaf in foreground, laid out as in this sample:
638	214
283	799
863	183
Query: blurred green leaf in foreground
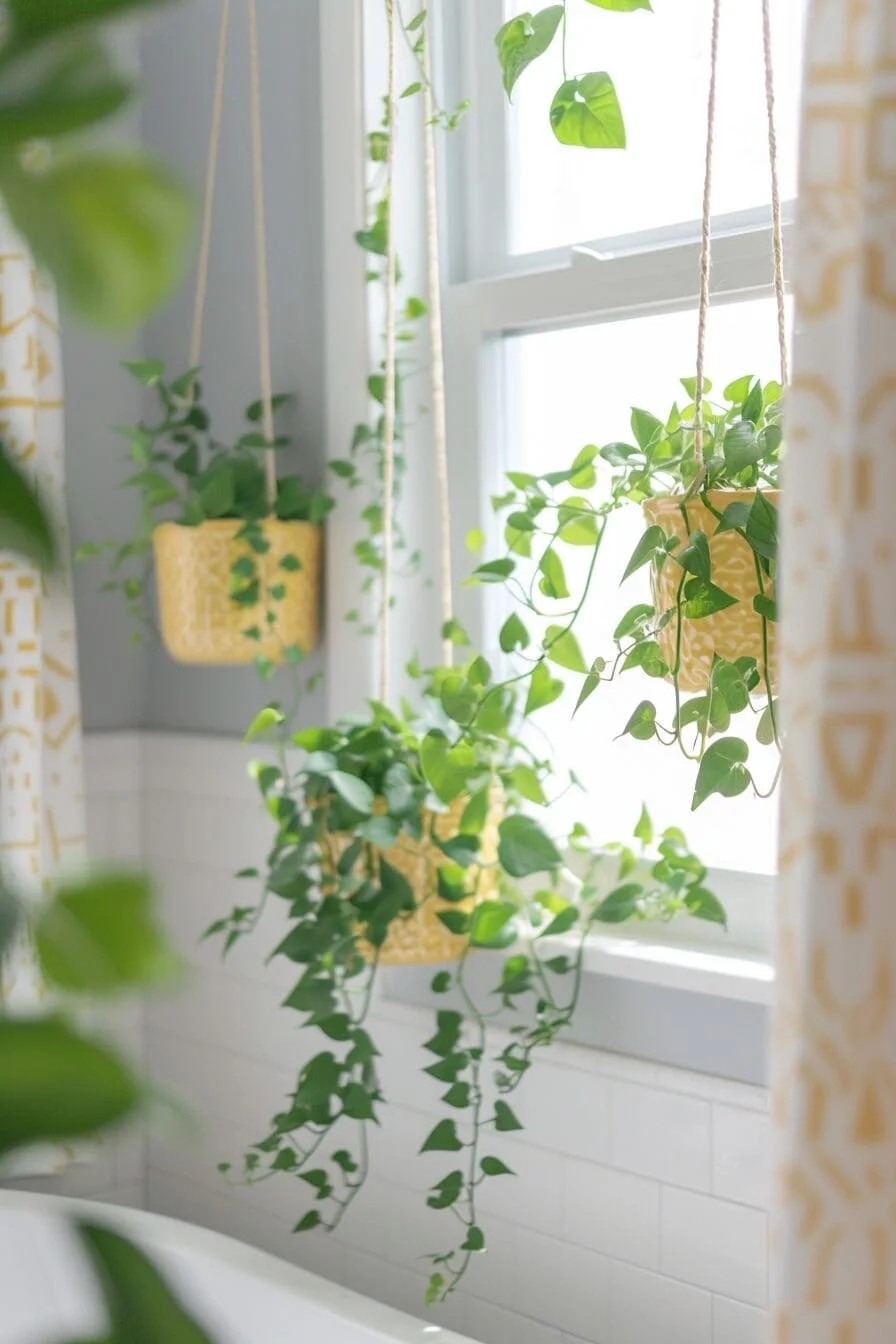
113	227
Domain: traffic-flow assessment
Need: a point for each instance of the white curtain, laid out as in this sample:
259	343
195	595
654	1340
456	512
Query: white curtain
834	1233
42	827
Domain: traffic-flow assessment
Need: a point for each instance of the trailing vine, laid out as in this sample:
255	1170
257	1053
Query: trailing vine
366	793
725	479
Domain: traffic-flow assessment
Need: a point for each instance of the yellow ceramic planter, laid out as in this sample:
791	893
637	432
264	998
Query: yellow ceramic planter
421	939
200	621
733	633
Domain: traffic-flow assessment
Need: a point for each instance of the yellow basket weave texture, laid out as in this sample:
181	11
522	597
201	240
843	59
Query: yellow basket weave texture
421	939
200	621
733	633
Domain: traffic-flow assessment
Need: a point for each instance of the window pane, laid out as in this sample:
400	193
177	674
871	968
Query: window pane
660	63
595	375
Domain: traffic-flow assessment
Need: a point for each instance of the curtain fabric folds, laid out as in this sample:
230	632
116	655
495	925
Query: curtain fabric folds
42	827
834	1231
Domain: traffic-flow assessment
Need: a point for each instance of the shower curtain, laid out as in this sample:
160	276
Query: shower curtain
42	827
834	1232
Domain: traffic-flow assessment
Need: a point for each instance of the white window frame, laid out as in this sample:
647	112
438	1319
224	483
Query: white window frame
490	295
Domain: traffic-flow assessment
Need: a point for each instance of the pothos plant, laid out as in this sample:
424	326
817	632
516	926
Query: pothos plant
185	474
585	111
365	793
707	492
432	809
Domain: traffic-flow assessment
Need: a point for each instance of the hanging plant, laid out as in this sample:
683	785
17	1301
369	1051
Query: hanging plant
426	837
238	579
708	496
585	111
237	546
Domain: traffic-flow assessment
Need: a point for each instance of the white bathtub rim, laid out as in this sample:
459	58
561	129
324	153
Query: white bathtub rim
157	1232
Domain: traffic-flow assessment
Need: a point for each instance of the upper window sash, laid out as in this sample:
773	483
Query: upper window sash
477	173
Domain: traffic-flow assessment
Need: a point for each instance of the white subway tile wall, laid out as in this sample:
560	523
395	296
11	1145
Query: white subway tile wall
638	1213
736	1324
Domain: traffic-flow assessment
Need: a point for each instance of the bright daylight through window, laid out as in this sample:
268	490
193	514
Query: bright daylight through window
584	279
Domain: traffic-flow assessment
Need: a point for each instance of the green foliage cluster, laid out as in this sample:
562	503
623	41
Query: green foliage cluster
186	475
111	226
739	449
585	111
360	789
97	938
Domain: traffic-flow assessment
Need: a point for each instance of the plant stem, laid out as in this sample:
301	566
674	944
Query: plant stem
389	399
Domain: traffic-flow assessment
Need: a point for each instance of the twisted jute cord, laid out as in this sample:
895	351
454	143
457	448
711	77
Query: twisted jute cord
777	225
706	243
261	265
211	180
389	393
437	351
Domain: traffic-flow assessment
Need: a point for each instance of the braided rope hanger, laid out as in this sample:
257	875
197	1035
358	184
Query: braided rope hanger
391	354
261	268
437	350
706	223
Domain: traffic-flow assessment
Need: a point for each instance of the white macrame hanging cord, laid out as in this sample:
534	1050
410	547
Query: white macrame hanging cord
261	265
389	391
706	223
211	175
777	222
211	181
706	237
437	351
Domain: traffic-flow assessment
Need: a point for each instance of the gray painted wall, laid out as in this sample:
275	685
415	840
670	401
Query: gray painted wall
121	687
100	395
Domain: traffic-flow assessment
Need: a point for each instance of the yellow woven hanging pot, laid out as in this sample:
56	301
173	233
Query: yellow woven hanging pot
421	939
200	621
733	633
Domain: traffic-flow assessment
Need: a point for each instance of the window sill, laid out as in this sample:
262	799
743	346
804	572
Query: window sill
740	976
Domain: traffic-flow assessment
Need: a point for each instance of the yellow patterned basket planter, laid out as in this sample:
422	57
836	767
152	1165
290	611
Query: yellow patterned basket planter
733	633
200	621
421	939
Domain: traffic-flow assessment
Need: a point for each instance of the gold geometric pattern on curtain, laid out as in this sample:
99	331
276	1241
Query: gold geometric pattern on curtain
41	780
834	1049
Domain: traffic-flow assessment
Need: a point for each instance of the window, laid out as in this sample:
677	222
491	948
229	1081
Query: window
659	63
577	286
